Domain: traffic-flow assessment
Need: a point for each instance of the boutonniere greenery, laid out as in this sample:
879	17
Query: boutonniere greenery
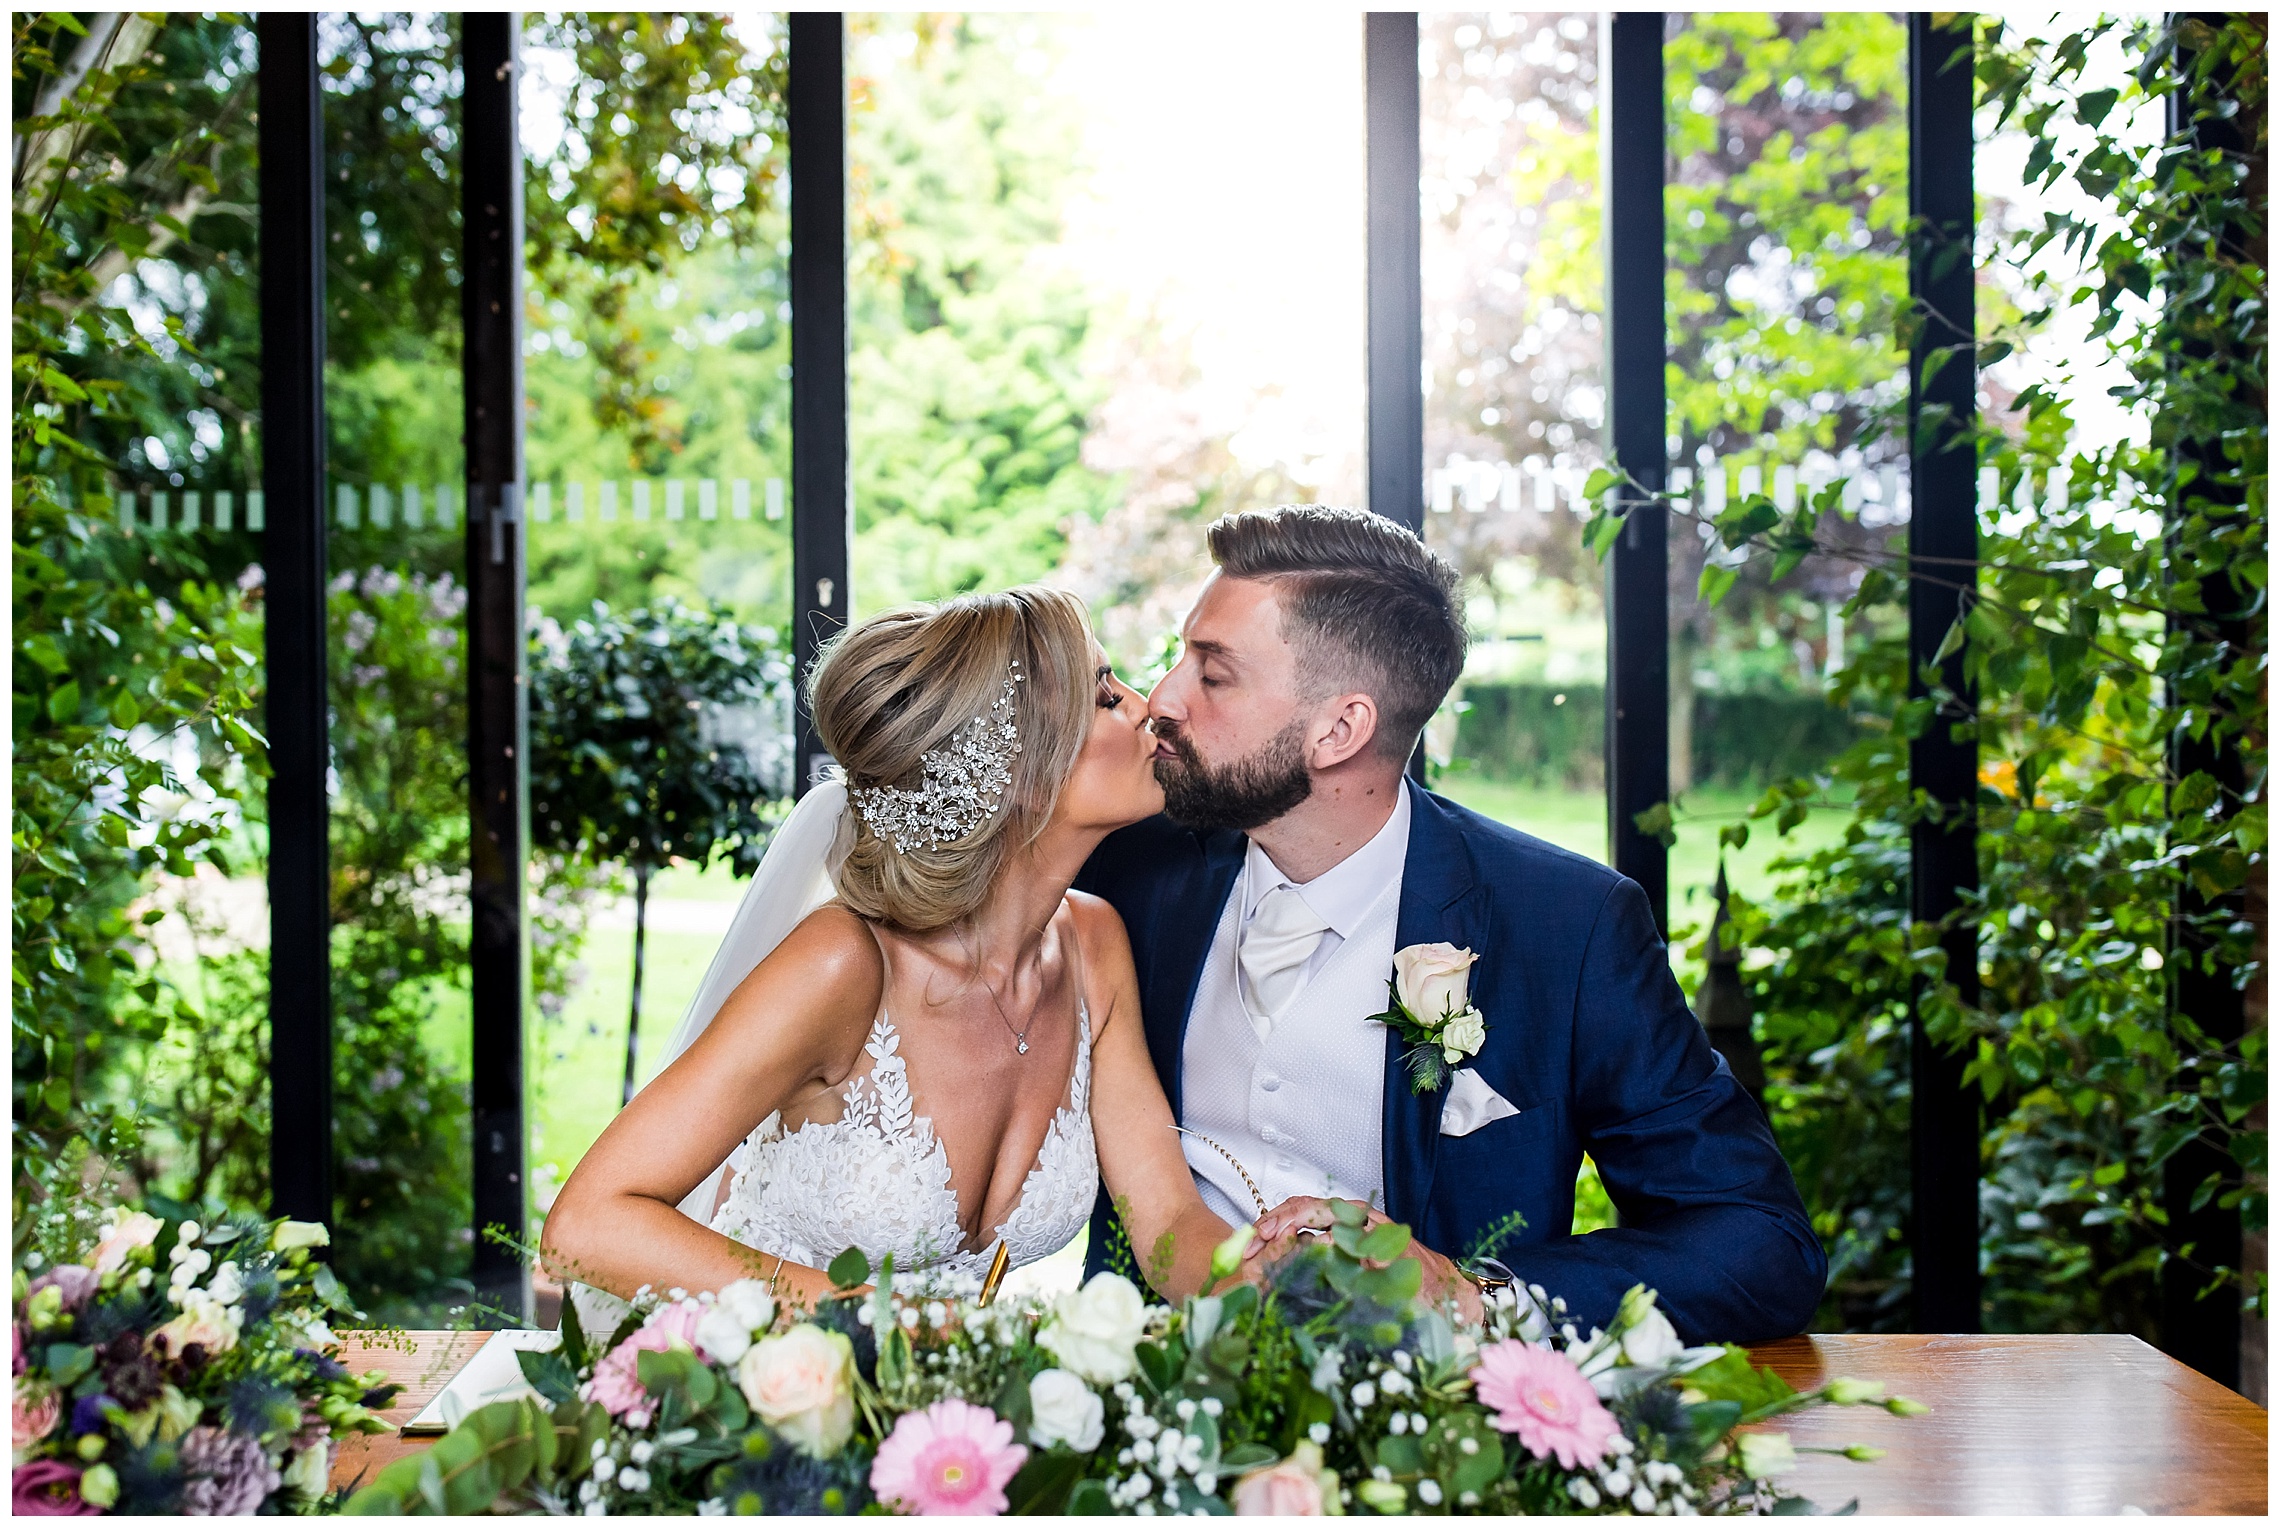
1428	1004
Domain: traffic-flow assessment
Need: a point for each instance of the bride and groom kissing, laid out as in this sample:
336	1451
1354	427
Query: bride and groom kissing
1049	951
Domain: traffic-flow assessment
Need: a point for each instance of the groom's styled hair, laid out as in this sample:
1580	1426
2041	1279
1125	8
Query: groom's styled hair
1368	606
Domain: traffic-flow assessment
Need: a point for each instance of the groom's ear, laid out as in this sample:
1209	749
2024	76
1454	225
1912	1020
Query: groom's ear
1345	728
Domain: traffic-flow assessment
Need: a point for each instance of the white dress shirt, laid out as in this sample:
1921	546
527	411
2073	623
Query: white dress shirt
1299	1101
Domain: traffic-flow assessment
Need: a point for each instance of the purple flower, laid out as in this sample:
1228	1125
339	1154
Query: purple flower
87	1415
47	1488
71	1281
326	1368
230	1473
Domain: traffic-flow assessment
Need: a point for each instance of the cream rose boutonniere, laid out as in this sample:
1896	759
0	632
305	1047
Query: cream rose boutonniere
1429	1004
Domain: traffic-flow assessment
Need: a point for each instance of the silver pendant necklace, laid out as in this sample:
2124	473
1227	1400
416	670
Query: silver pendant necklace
1021	1035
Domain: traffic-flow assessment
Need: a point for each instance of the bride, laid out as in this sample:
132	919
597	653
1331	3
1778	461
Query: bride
945	1055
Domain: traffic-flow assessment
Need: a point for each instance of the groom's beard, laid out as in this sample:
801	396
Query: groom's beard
1246	794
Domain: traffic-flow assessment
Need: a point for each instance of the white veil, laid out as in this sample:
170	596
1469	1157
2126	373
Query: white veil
796	876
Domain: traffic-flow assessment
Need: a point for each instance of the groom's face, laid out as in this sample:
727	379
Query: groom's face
1230	733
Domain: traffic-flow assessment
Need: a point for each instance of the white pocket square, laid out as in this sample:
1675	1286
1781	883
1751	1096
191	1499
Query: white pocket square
1472	1103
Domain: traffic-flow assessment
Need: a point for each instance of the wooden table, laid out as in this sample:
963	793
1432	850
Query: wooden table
2018	1424
423	1363
2025	1425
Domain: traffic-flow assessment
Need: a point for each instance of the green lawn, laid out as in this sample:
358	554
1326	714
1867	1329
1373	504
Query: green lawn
580	1057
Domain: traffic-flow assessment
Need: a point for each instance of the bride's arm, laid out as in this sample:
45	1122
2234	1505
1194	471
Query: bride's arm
1140	1157
797	1023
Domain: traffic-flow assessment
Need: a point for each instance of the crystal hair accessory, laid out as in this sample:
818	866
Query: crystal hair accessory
965	778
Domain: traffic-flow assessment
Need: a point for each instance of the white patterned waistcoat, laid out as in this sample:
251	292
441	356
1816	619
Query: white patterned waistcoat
1301	1109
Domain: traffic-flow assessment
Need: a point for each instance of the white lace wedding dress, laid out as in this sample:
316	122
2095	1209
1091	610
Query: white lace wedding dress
878	1178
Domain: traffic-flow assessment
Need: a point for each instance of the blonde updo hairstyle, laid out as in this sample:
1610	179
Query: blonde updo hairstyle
897	686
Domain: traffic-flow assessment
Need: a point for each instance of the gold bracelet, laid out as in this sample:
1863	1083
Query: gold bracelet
1257	1198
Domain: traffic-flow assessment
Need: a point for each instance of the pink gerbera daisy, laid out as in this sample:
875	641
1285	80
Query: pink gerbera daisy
1539	1395
949	1460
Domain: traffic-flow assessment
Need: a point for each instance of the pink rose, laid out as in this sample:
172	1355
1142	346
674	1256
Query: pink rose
616	1385
132	1231
1540	1396
72	1284
32	1416
1296	1487
949	1460
47	1488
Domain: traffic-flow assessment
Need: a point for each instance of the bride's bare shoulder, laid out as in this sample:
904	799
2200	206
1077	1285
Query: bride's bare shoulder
825	981
1100	931
836	952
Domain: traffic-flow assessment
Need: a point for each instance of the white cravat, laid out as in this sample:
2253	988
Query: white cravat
1273	956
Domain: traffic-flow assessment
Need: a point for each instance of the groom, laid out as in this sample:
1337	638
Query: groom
1295	858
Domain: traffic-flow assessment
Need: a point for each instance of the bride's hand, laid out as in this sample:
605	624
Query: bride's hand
1287	1227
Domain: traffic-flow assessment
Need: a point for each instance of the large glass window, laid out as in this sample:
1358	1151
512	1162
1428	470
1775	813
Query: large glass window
1516	399
396	633
139	914
1085	325
657	367
1784	209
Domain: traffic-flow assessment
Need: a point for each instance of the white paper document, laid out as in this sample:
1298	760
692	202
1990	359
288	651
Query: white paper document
493	1374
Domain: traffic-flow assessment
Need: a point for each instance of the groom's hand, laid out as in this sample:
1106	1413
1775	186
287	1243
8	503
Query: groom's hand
1286	1227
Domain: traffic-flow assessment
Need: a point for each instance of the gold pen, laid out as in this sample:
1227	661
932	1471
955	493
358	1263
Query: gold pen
996	1275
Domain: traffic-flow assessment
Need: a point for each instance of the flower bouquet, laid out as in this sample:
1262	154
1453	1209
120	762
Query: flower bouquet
1328	1388
209	1389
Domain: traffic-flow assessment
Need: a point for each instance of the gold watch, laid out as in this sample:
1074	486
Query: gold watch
1489	1276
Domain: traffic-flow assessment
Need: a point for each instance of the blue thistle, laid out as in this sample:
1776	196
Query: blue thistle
263	1408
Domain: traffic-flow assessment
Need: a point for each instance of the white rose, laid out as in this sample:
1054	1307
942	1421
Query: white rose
131	1231
748	1301
1463	1036
227	1285
723	1335
1064	1409
803	1385
1094	1330
298	1233
1766	1454
308	1476
1431	980
1651	1342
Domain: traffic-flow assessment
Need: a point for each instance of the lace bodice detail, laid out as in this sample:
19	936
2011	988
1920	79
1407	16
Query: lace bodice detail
878	1178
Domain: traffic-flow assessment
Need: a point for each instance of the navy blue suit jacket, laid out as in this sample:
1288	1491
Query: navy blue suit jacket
1589	1037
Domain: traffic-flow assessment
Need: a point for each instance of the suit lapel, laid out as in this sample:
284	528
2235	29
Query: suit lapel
1186	922
1440	903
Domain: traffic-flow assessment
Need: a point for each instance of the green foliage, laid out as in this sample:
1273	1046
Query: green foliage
1793	153
500	1448
966	334
2089	638
674	144
629	763
117	687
